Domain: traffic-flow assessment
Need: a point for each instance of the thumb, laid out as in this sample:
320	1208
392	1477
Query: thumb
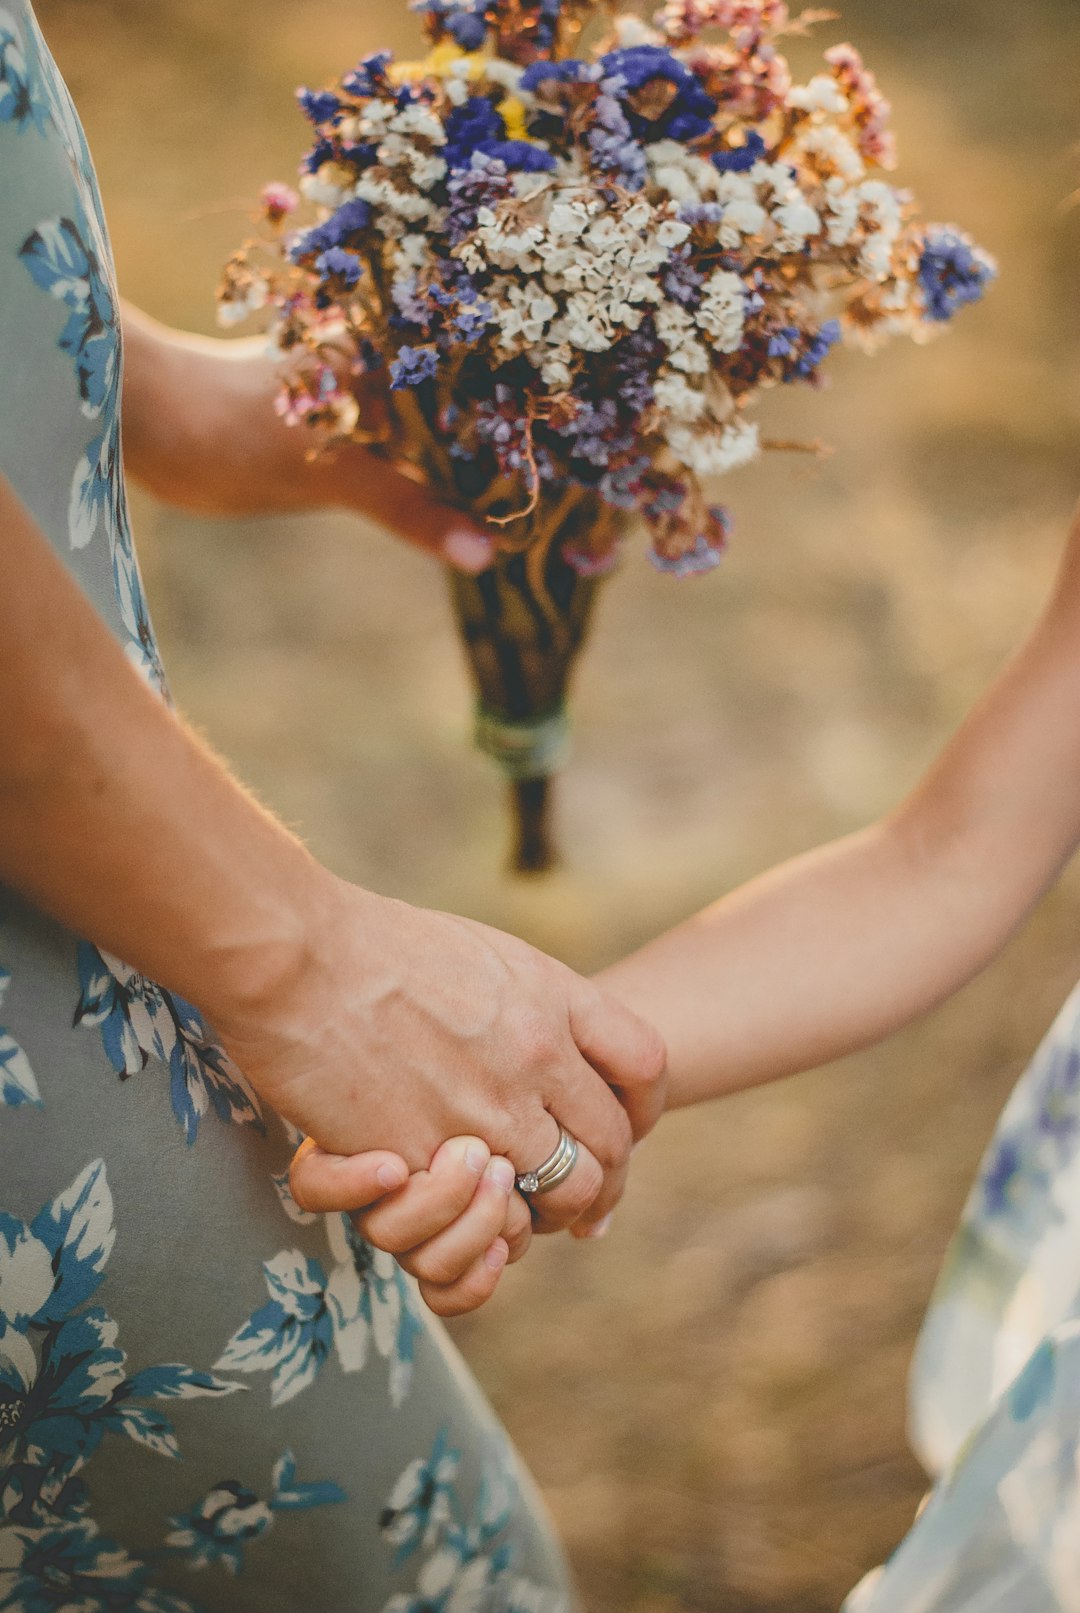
325	1182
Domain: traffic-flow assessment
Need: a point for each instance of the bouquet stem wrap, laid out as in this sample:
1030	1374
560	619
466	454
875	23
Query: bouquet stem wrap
523	622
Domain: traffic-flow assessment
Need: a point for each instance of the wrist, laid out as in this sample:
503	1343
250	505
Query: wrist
292	956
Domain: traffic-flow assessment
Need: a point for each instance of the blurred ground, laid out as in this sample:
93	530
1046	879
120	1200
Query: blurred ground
713	1399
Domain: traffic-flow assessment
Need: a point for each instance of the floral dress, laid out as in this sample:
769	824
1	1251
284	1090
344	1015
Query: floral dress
995	1392
209	1399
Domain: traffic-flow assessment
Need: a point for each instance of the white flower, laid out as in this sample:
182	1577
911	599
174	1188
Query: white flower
680	400
237	309
831	151
412	252
457	91
712	453
843	212
522	313
329	186
795	220
743	213
672	233
722	310
822	94
554	368
569	219
631	30
416	118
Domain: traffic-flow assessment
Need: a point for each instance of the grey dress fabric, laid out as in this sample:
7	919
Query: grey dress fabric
208	1398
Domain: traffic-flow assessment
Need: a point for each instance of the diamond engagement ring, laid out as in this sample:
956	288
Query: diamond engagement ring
553	1170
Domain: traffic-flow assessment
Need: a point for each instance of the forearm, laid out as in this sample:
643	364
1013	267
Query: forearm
842	946
199	428
815	959
114	817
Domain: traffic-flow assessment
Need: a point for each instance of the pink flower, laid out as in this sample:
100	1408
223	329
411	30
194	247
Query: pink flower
278	201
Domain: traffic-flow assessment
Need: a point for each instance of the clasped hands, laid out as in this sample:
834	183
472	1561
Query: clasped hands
429	1060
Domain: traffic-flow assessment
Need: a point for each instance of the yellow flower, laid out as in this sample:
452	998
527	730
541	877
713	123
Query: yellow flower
440	60
512	112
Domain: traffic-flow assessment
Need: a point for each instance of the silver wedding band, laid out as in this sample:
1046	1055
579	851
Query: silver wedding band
553	1170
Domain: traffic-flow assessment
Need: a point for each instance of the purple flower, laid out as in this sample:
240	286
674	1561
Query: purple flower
687	117
570	71
350	219
471	321
817	347
467	30
343	266
707	553
319	106
680	280
483	183
412	366
520	156
469	128
369	77
322	151
952	272
740	159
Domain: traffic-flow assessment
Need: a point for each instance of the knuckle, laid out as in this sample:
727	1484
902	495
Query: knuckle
653	1055
382	1237
439	1266
536	1039
612	1150
438	1300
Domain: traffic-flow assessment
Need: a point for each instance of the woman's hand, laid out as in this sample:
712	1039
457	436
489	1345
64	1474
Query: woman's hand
200	433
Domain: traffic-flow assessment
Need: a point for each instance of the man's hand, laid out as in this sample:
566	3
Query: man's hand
396	1028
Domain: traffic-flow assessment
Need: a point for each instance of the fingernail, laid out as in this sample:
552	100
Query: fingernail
469	551
476	1158
496	1257
600	1227
502	1173
391	1176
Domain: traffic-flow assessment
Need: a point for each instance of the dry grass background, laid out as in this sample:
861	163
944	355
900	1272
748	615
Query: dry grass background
713	1399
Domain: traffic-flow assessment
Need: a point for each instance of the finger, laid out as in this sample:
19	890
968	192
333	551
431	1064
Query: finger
452	1253
430	1201
597	1218
518	1227
324	1182
472	1290
628	1053
378	489
560	1207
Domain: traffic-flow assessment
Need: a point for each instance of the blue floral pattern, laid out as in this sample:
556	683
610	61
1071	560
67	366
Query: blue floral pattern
18	1085
69	1565
363	1300
18	104
230	1516
63	1378
138	1020
468	1558
68	258
995	1390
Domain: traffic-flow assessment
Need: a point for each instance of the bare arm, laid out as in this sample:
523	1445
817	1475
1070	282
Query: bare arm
838	948
200	433
366	1022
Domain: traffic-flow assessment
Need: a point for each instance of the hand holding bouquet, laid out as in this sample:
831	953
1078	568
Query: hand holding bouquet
573	277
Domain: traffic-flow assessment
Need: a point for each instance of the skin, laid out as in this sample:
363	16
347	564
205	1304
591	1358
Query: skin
368	1023
834	950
